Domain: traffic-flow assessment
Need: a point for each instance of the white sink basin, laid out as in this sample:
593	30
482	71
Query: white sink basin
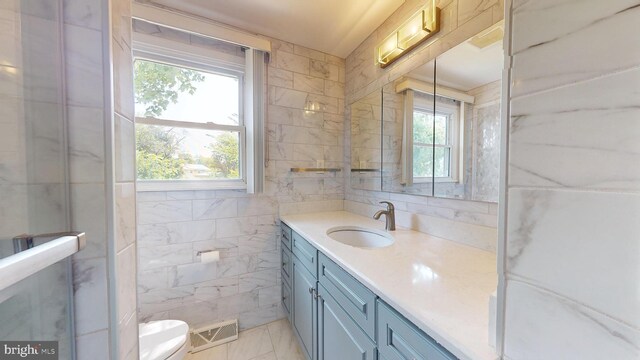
360	237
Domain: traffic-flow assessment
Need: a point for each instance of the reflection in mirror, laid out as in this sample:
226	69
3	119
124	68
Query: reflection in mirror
366	118
469	80
450	149
407	142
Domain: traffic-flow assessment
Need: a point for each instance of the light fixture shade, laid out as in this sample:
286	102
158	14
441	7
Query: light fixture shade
388	49
410	34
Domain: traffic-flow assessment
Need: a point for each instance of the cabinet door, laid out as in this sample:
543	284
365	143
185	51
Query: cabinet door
304	308
338	335
399	339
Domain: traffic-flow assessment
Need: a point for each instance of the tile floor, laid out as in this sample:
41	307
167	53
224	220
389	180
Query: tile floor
273	341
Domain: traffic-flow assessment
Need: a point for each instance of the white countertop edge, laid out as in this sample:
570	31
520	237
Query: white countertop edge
451	344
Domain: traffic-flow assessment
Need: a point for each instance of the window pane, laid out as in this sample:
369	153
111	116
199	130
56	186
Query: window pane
170	153
422	127
422	161
182	94
442	131
443	162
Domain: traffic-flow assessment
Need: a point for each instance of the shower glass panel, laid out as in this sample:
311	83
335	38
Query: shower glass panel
33	169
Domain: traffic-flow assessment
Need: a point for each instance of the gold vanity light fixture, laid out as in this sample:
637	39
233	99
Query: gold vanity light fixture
421	26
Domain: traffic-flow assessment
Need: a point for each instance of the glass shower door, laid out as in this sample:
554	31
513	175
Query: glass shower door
33	171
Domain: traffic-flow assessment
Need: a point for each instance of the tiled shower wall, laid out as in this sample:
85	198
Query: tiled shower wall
470	222
572	248
174	225
97	34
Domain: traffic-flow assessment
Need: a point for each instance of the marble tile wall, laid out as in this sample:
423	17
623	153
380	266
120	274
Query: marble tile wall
470	222
305	92
125	195
85	90
101	160
572	248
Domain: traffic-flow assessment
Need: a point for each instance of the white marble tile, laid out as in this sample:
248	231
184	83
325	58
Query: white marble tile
123	77
94	346
128	337
256	243
83	56
256	280
291	62
568	129
213	289
541	325
175	233
166	255
284	341
257	206
563	41
250	344
86	144
88	214
86	13
268	296
215	209
575	243
125	220
259	316
189	274
215	353
324	70
281	78
125	149
91	307
154	212
308	84
235	304
236	226
153	279
126	283
481	237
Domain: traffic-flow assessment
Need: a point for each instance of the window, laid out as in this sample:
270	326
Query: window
188	122
443	165
199	116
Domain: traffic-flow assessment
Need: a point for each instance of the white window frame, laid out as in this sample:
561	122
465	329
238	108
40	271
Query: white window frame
173	53
454	128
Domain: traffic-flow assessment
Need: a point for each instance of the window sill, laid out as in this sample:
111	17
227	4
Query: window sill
437	180
179	185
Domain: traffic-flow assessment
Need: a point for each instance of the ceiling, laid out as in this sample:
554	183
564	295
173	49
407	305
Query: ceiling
336	27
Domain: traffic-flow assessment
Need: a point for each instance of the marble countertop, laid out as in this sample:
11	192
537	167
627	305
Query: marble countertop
441	286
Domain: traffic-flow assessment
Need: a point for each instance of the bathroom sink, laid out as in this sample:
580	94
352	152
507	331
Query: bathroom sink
360	237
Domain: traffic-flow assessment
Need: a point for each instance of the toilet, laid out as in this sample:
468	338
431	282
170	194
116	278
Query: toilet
164	340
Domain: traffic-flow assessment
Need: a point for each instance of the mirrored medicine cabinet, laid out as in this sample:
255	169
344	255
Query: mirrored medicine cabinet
435	131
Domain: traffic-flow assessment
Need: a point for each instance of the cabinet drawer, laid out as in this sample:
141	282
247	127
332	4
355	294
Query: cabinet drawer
286	264
356	299
286	298
306	253
399	339
285	231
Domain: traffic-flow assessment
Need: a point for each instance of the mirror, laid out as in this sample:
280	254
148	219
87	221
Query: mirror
366	153
441	123
406	136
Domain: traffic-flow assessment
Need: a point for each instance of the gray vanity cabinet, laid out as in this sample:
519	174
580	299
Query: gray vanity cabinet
335	317
338	335
305	311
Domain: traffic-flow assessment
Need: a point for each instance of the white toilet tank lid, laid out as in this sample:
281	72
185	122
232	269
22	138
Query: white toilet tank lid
160	339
